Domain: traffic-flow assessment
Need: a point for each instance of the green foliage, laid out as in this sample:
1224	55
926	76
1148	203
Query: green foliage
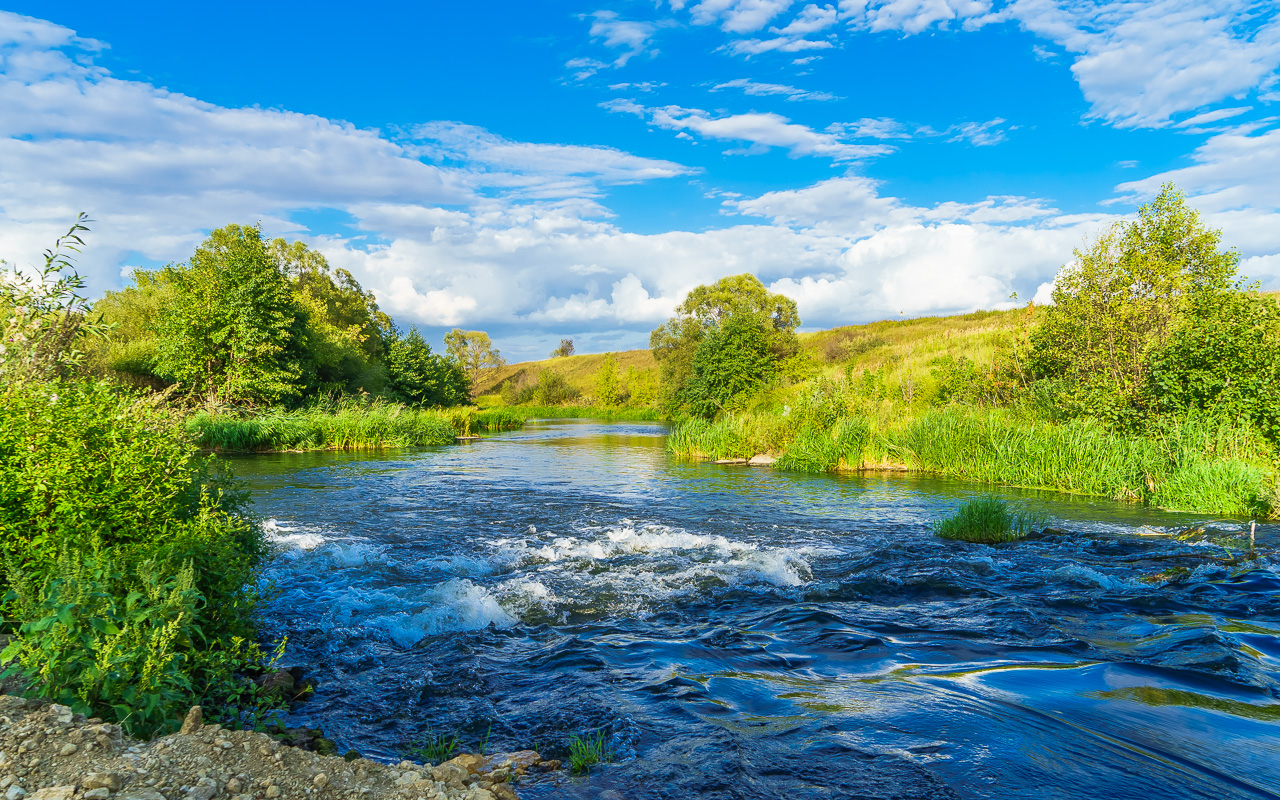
351	426
234	331
587	751
608	388
564	350
703	367
987	520
1223	357
42	316
1122	300
817	450
436	748
422	378
732	361
473	350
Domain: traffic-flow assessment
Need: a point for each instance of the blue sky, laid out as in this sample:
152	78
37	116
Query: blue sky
553	169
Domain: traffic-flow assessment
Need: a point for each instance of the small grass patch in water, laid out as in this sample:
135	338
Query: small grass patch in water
986	520
586	752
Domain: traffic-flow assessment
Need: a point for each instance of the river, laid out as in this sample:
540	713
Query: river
744	632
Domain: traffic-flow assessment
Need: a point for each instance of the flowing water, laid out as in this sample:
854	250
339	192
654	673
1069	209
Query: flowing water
748	633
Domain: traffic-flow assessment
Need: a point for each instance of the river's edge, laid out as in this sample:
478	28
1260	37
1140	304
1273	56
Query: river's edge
49	753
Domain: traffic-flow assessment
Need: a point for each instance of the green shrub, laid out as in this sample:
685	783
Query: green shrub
986	520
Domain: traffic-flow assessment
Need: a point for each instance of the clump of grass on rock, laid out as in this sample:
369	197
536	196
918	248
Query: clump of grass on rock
987	520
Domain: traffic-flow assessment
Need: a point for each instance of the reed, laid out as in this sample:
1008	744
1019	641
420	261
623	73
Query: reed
1198	465
582	412
355	427
986	520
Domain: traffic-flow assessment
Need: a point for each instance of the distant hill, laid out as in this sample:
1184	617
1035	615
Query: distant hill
898	347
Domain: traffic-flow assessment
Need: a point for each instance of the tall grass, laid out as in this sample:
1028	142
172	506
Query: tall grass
986	520
1194	465
355	427
582	412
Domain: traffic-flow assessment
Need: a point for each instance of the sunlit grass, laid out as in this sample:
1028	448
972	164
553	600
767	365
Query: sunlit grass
987	520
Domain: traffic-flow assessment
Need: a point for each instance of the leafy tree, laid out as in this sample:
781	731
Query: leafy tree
420	377
608	387
733	361
234	330
347	334
473	350
565	349
707	310
128	351
1225	358
1122	300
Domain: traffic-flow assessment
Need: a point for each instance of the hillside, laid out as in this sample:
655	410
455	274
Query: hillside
897	347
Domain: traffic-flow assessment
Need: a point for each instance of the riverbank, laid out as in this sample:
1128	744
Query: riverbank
1197	466
49	753
610	413
370	427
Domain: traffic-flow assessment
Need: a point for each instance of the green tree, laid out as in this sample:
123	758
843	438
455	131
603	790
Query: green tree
347	334
1121	300
234	331
707	310
608	387
564	350
733	361
132	314
1224	357
420	377
473	350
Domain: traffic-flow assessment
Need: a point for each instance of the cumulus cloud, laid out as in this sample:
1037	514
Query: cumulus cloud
738	16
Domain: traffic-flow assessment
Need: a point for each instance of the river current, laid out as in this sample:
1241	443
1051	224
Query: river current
749	633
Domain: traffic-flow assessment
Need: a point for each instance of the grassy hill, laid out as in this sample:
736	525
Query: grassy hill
898	349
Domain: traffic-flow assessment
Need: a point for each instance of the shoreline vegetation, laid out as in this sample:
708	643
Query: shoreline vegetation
131	559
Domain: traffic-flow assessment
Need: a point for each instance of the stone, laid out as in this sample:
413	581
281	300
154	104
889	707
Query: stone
471	762
480	794
234	786
54	793
61	714
449	772
194	721
102	780
324	746
15	792
761	460
68	749
140	793
273	791
101	793
280	682
518	762
205	791
320	781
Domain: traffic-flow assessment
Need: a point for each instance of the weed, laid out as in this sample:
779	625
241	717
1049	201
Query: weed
987	520
436	749
586	752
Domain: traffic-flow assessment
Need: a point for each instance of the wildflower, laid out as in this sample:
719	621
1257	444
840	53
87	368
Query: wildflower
53	399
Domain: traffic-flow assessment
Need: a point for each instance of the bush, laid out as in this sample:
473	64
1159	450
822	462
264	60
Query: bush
986	520
422	378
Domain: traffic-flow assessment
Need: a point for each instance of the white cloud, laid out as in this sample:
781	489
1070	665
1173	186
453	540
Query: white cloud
738	16
979	134
1213	116
1138	63
756	89
760	131
632	36
538	170
811	19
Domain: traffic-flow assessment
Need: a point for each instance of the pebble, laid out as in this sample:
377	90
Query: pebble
68	749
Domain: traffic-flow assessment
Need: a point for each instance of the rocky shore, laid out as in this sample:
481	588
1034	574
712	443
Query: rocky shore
49	753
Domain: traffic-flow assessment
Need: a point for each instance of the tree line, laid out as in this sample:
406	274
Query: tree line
248	322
